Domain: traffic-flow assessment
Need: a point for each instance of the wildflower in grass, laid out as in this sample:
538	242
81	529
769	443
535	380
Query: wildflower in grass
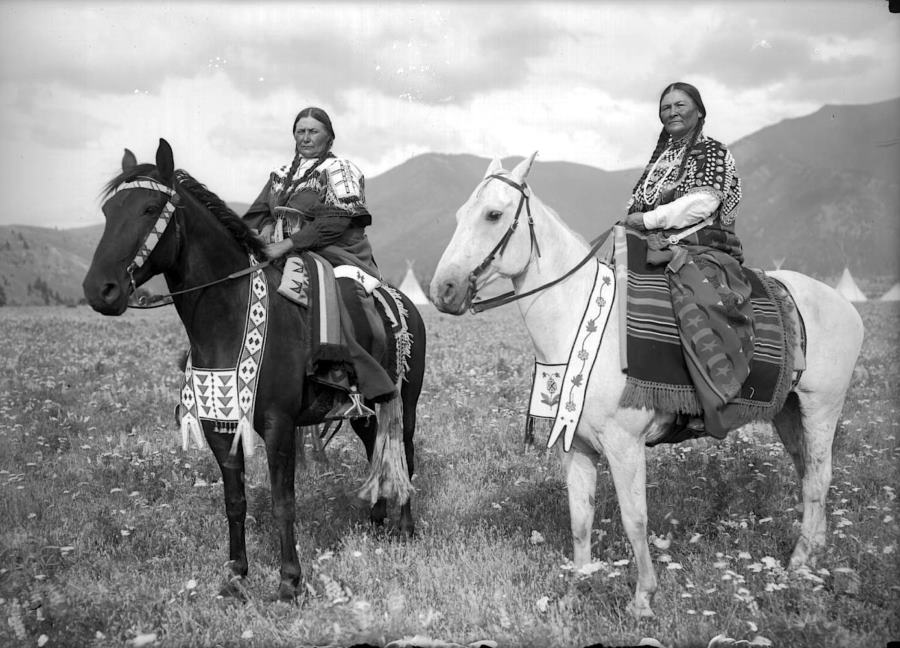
674	566
144	639
542	604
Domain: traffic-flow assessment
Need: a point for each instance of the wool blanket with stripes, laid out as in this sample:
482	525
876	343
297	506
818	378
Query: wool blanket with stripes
658	376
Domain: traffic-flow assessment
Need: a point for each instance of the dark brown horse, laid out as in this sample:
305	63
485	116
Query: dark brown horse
201	241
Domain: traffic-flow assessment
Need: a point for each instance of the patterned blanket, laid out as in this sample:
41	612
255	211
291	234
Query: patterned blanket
328	336
658	377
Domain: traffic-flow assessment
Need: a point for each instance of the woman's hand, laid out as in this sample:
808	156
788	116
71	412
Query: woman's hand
279	249
265	234
635	221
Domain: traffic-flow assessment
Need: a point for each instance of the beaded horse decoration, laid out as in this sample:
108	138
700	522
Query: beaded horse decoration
227	397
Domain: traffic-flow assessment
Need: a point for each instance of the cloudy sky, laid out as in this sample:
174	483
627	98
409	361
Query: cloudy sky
80	81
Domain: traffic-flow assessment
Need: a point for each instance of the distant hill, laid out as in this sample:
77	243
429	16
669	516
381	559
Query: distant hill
821	192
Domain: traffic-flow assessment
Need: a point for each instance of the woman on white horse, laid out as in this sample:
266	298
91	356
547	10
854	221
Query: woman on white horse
687	198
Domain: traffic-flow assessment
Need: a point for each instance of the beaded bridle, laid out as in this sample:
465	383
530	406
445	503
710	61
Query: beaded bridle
511	296
152	239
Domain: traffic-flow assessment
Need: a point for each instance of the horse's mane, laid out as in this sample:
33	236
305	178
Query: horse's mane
225	214
215	205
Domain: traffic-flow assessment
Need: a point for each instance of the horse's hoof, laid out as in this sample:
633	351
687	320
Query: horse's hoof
234	589
287	593
407	531
640	611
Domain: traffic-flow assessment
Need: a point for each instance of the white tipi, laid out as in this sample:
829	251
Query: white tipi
893	294
411	288
848	288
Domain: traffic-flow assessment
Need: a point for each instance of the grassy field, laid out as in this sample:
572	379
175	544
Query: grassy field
110	535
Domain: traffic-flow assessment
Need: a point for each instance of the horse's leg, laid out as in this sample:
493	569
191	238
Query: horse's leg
788	424
232	468
580	468
410	395
367	429
409	392
818	417
628	465
280	453
808	422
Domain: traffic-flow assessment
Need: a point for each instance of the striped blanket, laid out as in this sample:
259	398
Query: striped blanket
658	377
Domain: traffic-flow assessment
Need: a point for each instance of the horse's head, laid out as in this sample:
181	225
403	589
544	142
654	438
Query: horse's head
494	238
140	202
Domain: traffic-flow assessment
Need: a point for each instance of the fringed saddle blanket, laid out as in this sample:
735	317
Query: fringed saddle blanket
558	390
658	377
390	307
326	342
227	396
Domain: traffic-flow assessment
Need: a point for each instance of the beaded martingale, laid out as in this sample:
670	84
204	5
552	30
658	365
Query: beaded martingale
227	397
559	390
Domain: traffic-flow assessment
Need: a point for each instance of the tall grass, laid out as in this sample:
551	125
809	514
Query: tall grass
110	534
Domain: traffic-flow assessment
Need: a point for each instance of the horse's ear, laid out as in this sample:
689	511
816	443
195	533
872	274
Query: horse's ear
165	162
128	161
493	167
522	168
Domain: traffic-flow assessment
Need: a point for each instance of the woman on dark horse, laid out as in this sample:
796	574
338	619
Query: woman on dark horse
160	220
317	203
687	199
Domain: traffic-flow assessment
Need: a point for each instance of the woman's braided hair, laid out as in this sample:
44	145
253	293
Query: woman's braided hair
663	140
290	187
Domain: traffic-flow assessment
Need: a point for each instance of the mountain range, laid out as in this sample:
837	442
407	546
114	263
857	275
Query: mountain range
820	193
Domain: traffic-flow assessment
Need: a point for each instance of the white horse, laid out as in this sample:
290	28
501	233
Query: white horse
806	424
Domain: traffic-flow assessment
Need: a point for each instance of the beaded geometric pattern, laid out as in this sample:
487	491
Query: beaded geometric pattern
161	223
227	396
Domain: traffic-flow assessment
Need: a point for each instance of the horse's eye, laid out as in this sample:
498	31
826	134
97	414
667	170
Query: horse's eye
494	216
151	210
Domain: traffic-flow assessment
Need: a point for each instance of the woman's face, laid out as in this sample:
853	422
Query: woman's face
312	137
678	113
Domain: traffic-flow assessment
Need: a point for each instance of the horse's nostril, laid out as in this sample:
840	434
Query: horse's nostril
110	292
447	289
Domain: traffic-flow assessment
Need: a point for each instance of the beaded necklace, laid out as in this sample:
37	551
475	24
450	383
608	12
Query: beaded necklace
652	186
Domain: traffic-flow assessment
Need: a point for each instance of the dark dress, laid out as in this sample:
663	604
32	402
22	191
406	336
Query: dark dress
329	217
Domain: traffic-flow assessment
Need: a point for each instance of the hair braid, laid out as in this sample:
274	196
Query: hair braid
291	187
285	192
661	142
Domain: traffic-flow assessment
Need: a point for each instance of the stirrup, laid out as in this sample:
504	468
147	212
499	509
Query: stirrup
354	409
357	408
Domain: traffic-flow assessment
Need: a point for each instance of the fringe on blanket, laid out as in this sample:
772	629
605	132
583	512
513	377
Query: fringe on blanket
667	398
388	472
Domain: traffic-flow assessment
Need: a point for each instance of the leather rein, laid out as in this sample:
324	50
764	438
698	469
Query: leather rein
511	296
152	238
